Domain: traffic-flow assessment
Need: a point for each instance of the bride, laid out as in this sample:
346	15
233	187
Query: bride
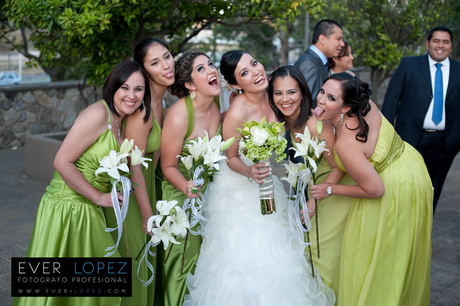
246	258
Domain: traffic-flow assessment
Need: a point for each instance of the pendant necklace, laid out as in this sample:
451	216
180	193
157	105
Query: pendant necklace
118	130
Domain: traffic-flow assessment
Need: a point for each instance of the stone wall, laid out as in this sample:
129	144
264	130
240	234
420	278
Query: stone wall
30	109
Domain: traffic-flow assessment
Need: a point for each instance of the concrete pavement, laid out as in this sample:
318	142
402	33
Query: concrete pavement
20	195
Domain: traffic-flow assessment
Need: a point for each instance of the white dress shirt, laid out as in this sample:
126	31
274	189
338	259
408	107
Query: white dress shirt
428	123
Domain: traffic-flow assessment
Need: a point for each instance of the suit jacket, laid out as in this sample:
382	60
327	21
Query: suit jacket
409	95
314	71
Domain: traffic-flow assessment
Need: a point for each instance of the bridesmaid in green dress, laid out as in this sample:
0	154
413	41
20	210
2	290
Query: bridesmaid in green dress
291	100
196	86
386	247
154	56
70	221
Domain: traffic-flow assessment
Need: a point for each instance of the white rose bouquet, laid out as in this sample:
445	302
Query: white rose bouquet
259	140
113	164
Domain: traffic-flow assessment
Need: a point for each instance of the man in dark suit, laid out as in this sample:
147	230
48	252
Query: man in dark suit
423	103
327	41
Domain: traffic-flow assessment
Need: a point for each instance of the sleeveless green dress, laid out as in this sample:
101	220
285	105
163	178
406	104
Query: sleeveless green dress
70	225
173	264
133	237
386	249
332	216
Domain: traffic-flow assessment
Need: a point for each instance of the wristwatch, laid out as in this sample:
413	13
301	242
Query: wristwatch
329	190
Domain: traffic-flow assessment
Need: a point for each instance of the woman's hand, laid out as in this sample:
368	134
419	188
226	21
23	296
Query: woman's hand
144	224
105	199
258	172
192	190
319	192
311	208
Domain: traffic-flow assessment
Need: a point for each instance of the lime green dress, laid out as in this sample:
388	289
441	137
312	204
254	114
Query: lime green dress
178	260
70	225
332	215
134	237
386	247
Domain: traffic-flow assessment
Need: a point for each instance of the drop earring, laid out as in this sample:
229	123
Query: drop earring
340	120
192	95
240	91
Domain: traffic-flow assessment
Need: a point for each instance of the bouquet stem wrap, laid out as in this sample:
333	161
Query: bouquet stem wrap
195	205
120	212
267	193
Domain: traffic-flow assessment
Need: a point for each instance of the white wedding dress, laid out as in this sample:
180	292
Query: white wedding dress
246	258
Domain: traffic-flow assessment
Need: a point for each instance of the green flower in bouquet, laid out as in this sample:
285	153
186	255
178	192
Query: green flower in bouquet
261	139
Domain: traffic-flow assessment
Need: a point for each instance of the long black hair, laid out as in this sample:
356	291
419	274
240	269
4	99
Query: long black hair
305	104
355	94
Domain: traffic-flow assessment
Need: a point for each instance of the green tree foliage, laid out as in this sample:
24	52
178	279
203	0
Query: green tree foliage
92	35
381	32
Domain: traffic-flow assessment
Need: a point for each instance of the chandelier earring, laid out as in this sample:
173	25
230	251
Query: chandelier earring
340	120
192	95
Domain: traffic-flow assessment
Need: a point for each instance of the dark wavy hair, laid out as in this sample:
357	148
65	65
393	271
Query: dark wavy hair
183	73
356	95
117	77
228	64
342	53
142	47
305	104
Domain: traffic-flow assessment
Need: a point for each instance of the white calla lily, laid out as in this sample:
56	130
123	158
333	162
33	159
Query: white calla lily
180	222
164	207
126	146
112	163
137	158
211	158
187	161
163	234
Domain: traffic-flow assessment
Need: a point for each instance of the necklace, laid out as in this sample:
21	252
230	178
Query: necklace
118	130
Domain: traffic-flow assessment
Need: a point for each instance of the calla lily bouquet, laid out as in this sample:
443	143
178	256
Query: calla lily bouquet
171	221
116	166
259	140
299	176
201	159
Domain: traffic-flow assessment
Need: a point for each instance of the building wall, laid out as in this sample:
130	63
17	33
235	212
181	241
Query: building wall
30	109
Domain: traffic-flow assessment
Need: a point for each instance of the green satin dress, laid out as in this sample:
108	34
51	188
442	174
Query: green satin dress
134	237
178	260
332	215
386	249
70	225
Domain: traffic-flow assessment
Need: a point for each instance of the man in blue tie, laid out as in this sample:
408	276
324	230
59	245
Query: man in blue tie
327	41
423	103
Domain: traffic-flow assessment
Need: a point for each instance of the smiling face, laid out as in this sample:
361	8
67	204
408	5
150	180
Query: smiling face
329	101
250	74
130	95
345	62
439	46
205	79
159	64
287	96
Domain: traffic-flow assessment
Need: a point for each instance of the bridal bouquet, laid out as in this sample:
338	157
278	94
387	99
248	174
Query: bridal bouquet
113	164
299	176
171	221
200	158
258	142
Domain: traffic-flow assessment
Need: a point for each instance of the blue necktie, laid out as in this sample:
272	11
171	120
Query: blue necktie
438	95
